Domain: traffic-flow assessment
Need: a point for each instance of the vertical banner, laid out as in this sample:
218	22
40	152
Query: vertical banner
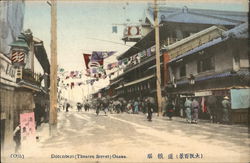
27	122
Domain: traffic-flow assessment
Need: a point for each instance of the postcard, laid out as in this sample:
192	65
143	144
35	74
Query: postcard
124	81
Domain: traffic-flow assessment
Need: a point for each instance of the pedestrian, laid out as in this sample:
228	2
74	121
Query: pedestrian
111	107
150	109
164	106
79	106
143	106
38	114
195	111
129	108
211	104
188	105
105	107
132	106
170	109
17	138
226	106
136	107
67	107
98	107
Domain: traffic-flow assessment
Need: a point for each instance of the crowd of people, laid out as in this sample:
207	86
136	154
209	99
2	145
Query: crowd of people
190	109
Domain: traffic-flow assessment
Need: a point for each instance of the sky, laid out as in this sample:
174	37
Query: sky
85	26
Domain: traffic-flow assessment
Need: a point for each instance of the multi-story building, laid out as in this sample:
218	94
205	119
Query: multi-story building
217	68
138	79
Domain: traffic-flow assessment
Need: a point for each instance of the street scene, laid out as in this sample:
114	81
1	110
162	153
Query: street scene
126	81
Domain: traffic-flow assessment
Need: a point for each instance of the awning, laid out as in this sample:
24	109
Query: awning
136	81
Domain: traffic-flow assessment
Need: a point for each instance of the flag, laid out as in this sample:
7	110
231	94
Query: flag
119	62
87	72
114	29
125	61
72	73
61	70
87	58
100	55
109	66
94	70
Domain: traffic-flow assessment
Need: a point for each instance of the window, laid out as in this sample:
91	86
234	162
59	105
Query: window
183	70
205	64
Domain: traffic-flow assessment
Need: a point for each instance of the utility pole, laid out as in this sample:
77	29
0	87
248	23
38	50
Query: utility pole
158	60
53	69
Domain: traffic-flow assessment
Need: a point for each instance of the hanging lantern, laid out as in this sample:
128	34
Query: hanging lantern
19	50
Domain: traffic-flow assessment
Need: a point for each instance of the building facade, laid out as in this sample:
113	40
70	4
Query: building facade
138	79
217	68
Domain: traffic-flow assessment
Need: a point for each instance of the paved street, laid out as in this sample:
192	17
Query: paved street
132	138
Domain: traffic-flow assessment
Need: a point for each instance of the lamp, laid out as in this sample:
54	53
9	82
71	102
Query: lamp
19	50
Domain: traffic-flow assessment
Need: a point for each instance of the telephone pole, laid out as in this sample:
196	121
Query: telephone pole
53	69
158	60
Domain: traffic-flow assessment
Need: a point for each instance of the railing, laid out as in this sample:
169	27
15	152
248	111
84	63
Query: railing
28	76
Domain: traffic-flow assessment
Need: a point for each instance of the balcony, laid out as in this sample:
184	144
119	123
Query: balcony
28	76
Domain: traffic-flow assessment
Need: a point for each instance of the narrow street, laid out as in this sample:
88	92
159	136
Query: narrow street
131	137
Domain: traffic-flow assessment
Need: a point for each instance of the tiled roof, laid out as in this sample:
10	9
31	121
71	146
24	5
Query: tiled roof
201	16
240	31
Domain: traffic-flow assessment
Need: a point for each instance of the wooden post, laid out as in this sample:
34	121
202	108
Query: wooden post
158	61
53	68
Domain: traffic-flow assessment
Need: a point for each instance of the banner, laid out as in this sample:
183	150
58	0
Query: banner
27	123
100	55
87	58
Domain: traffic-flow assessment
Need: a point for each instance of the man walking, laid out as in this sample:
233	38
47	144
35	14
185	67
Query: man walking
226	106
150	110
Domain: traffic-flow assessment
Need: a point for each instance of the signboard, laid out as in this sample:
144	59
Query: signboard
203	93
132	31
7	71
240	98
27	122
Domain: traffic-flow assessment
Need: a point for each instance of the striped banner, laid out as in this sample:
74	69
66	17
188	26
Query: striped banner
17	56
